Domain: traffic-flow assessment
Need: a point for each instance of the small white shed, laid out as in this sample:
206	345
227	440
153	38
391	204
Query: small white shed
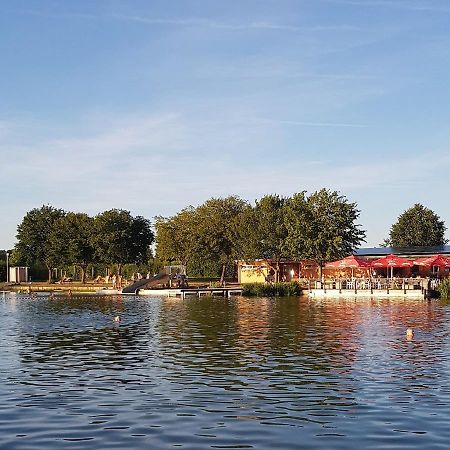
18	274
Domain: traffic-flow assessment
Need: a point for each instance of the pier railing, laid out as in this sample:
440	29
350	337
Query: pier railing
374	284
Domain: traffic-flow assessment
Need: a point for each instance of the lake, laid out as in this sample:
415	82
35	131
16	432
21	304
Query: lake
214	373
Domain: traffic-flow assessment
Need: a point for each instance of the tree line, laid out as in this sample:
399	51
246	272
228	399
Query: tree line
321	226
55	238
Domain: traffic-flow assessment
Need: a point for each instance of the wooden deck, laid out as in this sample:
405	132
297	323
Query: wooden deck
191	292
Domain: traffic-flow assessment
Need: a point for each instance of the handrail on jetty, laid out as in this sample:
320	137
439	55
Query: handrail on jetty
199	292
373	286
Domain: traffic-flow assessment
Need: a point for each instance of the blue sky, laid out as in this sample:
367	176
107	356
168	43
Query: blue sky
153	105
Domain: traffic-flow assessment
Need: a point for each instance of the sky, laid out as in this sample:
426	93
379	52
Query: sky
154	105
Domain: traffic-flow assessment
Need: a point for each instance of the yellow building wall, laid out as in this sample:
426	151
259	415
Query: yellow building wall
253	274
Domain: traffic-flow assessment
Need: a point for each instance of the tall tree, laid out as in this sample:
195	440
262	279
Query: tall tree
33	238
262	231
174	236
120	238
322	227
216	223
71	239
417	226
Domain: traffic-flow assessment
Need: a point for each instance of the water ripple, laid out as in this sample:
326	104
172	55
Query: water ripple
223	373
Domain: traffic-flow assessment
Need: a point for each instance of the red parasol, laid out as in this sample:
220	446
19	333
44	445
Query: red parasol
433	261
350	262
392	261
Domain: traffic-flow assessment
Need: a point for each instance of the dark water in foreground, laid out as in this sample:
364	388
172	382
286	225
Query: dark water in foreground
223	374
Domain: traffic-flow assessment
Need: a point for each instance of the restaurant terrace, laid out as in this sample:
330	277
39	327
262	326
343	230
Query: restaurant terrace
382	270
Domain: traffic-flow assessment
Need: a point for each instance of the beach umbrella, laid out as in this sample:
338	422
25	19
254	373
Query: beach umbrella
433	261
392	261
438	261
349	262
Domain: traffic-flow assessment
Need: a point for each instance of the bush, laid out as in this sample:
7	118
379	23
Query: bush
291	289
444	289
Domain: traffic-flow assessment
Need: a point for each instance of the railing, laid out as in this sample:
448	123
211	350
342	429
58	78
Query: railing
374	284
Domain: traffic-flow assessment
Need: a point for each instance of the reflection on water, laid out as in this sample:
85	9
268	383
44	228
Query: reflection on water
223	373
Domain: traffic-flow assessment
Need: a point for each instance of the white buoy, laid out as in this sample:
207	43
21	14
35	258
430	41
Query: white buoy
409	333
117	319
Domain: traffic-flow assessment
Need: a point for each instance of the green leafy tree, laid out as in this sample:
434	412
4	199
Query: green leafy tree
322	227
119	238
262	231
417	226
71	241
215	230
174	236
33	238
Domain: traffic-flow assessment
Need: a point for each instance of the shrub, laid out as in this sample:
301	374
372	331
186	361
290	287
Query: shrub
444	289
291	289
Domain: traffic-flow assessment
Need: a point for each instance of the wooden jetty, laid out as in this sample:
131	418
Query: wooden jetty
192	292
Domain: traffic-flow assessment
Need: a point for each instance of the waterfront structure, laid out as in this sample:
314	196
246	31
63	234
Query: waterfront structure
263	270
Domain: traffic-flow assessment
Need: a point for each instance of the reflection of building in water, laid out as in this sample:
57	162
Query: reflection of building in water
370	344
253	324
341	332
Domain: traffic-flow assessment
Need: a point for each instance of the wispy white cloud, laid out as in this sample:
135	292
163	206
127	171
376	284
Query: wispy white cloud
312	124
397	4
57	15
157	164
198	22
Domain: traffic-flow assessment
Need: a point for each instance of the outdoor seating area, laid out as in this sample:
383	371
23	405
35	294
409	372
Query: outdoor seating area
374	283
386	274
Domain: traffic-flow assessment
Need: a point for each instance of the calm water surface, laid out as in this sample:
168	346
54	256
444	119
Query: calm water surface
223	374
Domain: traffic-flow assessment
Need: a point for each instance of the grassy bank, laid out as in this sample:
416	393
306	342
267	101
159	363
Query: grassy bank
291	289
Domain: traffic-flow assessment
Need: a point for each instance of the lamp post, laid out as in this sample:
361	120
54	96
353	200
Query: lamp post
7	267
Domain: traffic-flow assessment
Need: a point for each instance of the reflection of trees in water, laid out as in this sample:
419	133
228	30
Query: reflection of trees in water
260	344
245	331
84	348
79	332
200	333
62	305
313	362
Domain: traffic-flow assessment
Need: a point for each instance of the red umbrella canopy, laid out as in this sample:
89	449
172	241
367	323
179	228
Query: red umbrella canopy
435	260
352	262
392	261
